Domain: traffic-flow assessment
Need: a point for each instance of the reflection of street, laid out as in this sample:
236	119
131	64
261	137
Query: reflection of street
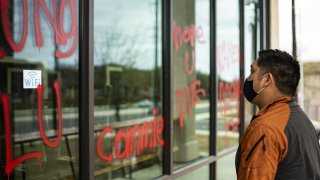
226	137
24	119
129	115
202	115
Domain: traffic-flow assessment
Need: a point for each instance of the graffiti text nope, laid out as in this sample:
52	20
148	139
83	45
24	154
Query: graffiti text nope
188	97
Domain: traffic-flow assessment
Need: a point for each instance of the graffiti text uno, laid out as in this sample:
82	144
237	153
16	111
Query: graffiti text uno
55	19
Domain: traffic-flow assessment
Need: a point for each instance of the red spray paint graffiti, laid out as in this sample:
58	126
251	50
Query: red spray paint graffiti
189	70
11	164
99	145
229	94
187	36
4	14
228	57
228	54
138	138
40	120
189	97
1	54
56	21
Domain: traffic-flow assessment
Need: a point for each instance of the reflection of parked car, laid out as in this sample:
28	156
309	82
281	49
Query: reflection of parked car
145	103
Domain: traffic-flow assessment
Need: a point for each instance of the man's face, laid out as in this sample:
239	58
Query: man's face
254	71
258	83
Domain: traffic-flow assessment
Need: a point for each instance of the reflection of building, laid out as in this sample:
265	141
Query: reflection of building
311	73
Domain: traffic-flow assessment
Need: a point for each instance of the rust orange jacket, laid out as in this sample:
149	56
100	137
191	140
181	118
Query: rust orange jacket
279	143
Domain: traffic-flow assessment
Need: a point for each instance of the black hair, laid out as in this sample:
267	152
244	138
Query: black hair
283	67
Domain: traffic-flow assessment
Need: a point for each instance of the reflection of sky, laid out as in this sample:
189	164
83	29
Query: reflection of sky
202	51
249	19
124	19
132	26
228	33
307	26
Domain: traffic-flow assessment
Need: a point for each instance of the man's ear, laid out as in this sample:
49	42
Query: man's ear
269	79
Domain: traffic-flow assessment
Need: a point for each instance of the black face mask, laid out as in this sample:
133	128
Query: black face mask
248	90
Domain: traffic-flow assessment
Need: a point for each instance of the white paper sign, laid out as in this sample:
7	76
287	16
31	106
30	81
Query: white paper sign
31	79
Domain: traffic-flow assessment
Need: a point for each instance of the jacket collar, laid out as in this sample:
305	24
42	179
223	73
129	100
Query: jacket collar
282	99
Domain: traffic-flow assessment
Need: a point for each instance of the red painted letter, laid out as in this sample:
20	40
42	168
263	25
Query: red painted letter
121	135
182	106
99	147
189	68
4	14
42	131
11	164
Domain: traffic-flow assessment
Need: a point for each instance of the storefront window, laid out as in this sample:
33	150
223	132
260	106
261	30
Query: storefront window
127	89
228	82
39	89
191	67
251	46
40	94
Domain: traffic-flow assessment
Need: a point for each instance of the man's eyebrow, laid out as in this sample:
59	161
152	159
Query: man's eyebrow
251	66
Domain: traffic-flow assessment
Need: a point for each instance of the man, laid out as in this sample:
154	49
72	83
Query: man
280	142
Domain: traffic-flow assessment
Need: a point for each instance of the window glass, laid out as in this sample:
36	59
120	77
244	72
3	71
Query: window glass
127	89
251	45
39	89
201	173
190	93
228	62
225	167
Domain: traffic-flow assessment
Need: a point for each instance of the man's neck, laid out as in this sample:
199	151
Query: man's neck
269	99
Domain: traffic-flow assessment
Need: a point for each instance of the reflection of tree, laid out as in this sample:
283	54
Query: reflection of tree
127	89
121	48
118	47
